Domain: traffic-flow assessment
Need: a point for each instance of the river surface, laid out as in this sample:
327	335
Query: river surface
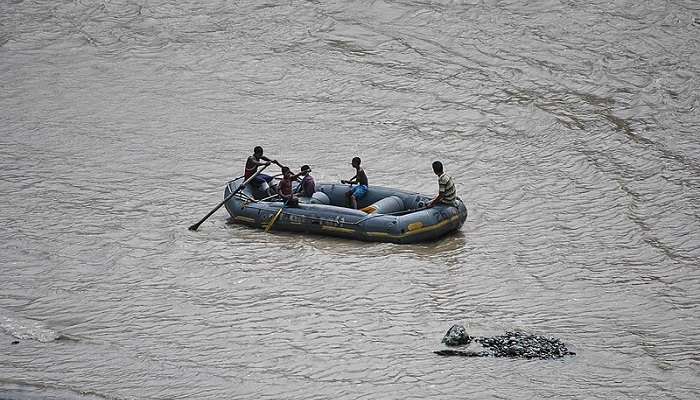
571	129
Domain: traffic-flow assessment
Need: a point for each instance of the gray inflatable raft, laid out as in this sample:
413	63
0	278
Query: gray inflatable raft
387	215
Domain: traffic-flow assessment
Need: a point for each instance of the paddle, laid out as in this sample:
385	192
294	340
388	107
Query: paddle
195	226
274	219
259	201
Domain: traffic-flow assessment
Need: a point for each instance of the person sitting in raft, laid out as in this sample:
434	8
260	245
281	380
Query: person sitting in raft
252	164
360	179
447	193
307	186
285	188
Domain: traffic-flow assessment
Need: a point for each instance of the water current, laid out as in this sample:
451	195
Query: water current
570	128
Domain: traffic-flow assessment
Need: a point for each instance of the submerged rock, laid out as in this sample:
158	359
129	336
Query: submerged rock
456	336
511	344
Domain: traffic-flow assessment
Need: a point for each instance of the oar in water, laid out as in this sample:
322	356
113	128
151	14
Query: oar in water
274	219
195	226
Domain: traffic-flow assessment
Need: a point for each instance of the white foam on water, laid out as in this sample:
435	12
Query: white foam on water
26	329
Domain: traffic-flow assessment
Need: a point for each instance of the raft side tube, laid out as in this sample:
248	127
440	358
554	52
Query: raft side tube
386	205
334	220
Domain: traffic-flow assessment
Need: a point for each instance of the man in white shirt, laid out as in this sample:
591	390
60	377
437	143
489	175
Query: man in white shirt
447	192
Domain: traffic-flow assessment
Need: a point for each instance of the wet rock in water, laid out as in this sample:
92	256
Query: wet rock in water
511	344
456	336
519	344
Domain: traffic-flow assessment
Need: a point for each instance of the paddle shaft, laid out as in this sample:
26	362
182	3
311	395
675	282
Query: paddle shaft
196	226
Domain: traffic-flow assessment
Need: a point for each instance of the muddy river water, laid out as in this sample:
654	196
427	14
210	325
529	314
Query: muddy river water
571	129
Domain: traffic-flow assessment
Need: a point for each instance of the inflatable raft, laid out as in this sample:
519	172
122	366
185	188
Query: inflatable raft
386	215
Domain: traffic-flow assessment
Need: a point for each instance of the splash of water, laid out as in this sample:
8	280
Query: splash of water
27	329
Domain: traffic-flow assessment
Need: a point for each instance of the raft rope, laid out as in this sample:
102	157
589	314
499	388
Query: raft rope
248	200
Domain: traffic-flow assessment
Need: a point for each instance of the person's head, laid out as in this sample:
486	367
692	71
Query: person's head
258	151
356	162
286	172
437	168
305	169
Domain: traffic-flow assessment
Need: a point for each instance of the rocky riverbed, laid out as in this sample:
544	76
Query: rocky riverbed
511	344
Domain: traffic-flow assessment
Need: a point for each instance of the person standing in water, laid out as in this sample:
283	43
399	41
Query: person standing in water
447	193
360	179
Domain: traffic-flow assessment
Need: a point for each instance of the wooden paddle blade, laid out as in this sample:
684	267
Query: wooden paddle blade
274	219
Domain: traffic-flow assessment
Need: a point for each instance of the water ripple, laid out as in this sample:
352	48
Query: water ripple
570	130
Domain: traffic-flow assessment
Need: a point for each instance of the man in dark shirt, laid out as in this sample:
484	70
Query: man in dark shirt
307	186
255	161
360	178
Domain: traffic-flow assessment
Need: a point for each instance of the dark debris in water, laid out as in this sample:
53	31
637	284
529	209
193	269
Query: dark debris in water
511	344
460	353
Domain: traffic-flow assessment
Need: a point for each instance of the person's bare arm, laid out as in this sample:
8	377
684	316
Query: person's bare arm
270	161
260	163
350	181
434	201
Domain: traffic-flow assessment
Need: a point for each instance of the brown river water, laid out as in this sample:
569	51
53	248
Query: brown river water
570	127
